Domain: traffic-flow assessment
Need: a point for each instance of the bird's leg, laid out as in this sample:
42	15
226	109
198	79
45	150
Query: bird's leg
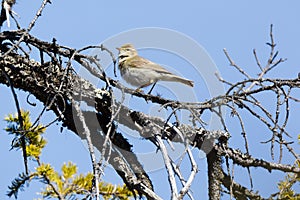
139	89
152	88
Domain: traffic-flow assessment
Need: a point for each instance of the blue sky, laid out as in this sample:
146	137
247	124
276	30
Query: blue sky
237	26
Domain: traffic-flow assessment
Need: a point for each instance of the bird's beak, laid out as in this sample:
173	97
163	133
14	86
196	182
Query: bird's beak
118	48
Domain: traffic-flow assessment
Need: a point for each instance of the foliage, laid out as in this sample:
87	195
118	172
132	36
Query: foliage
285	186
32	135
64	185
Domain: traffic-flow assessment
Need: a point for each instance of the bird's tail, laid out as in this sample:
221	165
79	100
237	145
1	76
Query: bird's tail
182	80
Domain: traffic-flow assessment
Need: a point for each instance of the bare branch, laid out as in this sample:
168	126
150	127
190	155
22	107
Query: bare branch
232	63
168	165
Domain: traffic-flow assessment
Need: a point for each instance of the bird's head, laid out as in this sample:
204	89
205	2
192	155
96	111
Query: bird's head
126	51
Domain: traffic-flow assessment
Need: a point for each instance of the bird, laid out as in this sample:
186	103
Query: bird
141	72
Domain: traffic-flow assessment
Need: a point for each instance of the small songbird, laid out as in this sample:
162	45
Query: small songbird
141	72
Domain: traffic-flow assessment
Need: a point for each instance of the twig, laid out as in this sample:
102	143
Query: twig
194	171
256	59
114	114
167	161
30	26
270	65
87	133
181	178
20	118
244	134
38	14
232	63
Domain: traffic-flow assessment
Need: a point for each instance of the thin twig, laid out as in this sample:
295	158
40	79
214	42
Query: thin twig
232	63
167	161
193	173
20	119
30	26
257	60
87	133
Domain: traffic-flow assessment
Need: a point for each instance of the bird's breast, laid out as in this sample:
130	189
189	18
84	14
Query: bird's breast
138	77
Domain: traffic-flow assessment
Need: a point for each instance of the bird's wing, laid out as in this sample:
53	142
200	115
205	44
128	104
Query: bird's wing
140	62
